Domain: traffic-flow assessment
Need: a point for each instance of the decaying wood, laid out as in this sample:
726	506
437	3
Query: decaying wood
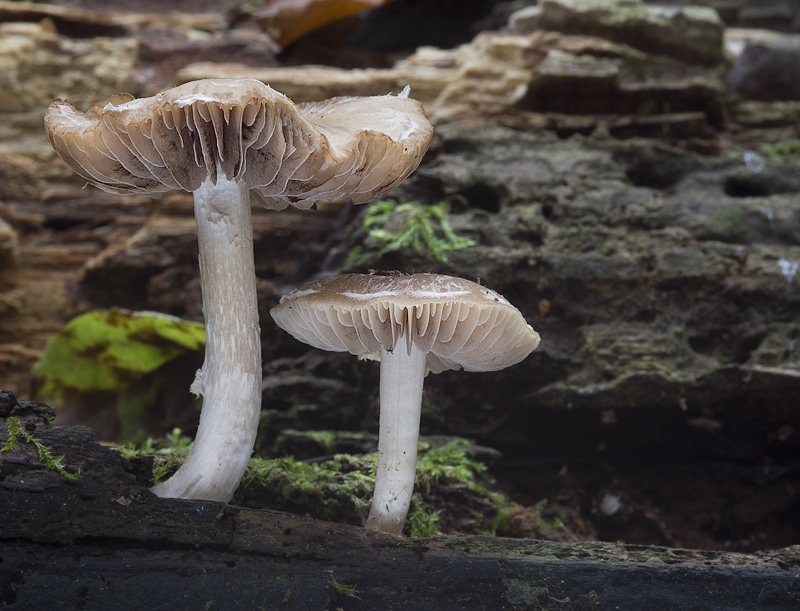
115	23
667	380
105	542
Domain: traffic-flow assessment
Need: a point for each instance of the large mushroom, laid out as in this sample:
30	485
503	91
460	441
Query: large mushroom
414	324
222	140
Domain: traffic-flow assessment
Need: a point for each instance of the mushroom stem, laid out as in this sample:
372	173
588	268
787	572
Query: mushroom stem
230	379
402	377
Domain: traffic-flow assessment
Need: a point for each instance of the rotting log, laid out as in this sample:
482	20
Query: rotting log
104	542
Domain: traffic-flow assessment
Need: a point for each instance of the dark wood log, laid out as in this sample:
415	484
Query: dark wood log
105	542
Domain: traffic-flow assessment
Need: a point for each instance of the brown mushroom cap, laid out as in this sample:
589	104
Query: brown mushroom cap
458	323
287	154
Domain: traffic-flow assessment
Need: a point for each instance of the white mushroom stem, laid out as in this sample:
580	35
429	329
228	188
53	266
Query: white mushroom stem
230	379
402	377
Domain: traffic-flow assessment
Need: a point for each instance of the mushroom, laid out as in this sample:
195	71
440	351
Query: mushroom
222	140
414	324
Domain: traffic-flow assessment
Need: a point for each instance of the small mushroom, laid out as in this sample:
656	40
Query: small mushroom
414	324
222	140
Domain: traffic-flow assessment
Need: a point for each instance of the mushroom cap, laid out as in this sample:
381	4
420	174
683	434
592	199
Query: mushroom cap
348	147
458	323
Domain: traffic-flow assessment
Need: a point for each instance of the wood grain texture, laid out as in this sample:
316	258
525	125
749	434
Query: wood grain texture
105	542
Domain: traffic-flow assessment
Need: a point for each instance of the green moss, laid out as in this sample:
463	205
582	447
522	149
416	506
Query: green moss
451	461
17	433
341	588
341	488
786	149
452	489
422	522
338	489
423	228
167	456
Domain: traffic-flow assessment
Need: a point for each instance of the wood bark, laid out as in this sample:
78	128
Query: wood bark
106	542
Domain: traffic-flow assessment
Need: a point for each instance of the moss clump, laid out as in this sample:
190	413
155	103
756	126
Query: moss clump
340	488
421	521
785	149
414	227
454	494
337	489
167	456
449	461
453	491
